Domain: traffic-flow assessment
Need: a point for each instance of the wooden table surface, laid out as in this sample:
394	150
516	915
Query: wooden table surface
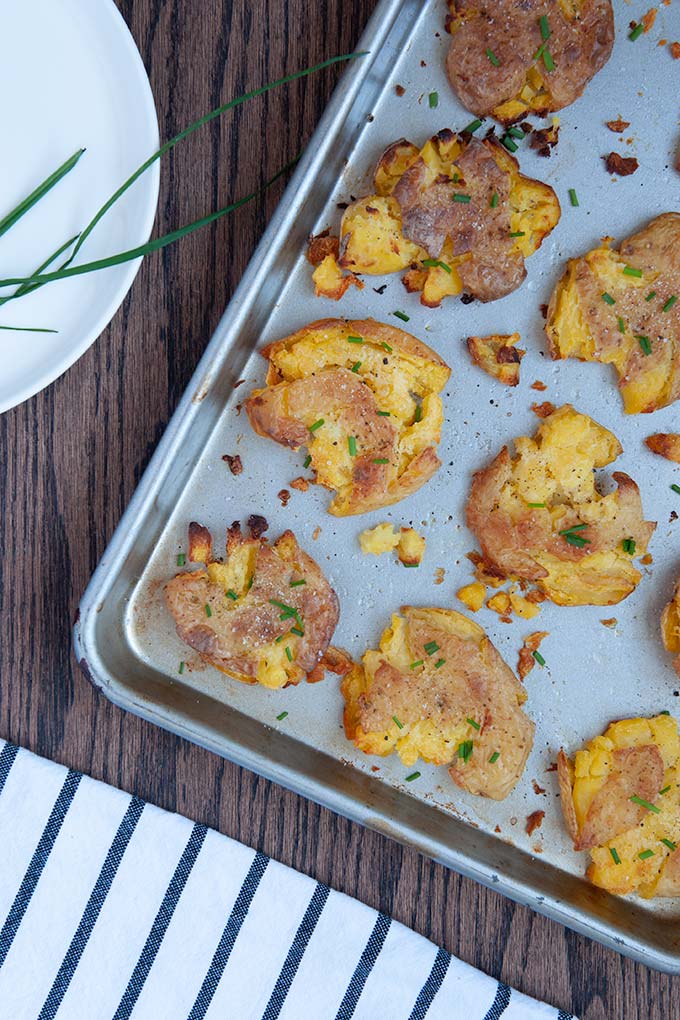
72	456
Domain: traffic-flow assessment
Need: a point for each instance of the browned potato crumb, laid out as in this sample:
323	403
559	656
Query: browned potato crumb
665	444
534	821
624	166
235	463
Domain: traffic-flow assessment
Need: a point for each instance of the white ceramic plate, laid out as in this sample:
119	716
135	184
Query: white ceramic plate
71	77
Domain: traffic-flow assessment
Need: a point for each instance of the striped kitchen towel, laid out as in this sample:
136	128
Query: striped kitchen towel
113	909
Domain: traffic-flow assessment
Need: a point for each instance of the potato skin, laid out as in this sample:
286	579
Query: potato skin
580	44
646	352
665	444
457	214
601	790
424	710
554	469
239	634
377	384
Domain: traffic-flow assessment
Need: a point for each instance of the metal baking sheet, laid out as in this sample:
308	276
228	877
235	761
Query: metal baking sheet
125	639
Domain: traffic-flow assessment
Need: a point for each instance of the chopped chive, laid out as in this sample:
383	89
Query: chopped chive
386	347
473	722
456	178
296	584
675	488
181	559
282	605
231	594
431	647
631	271
509	144
414	775
665	789
250	582
181	667
412	565
576	540
517	233
574	527
279	639
645	804
437	264
669	843
317	425
636	32
418	662
459	196
356	366
539	52
645	344
397	723
539	658
664	711
354	340
615	856
622	325
307	461
473	126
628	546
644	855
381	460
536	505
208	610
401	315
440	662
281	716
494	200
289	654
608	298
515	132
296	630
548	60
573	197
434	100
418	416
545	28
494	757
651	295
493	58
465	749
384	414
352	446
669	304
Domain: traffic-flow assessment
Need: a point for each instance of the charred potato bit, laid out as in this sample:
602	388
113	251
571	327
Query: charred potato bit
621	801
457	212
665	444
363	397
620	307
670	628
266	615
527	660
498	356
438	689
409	544
539	517
509	58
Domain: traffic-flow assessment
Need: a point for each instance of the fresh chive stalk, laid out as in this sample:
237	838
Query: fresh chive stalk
12	217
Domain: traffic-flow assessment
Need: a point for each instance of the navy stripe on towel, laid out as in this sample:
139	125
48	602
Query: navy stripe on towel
92	909
161	923
500	1003
38	862
364	967
296	952
7	756
565	1016
431	986
229	936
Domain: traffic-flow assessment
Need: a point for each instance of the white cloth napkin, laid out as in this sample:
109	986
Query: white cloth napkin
113	909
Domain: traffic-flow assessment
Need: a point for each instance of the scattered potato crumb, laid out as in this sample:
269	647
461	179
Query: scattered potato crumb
316	532
665	444
624	166
543	410
523	607
617	126
538	790
284	496
526	660
647	20
482	573
472	595
439	575
400	90
411	547
534	821
675	50
321	245
382	538
646	560
235	463
500	603
498	356
301	484
610	622
538	385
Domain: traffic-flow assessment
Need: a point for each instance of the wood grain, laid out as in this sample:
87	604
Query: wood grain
73	455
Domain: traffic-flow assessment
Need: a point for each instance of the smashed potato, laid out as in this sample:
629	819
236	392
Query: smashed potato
498	356
266	615
670	628
363	398
621	801
382	538
438	689
620	307
511	59
458	212
539	517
